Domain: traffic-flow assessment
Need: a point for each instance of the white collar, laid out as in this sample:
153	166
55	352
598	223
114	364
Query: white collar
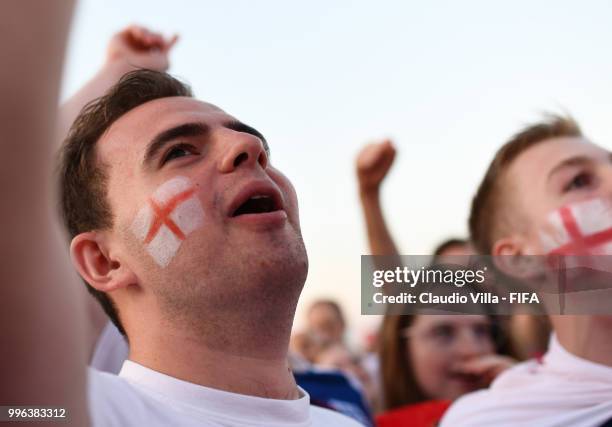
218	403
560	361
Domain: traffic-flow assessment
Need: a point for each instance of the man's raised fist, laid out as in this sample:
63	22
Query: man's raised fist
138	47
373	164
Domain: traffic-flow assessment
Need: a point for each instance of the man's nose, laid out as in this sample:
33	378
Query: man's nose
243	150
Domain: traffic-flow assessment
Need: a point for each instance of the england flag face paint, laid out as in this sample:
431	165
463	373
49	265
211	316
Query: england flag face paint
582	228
581	233
171	214
578	239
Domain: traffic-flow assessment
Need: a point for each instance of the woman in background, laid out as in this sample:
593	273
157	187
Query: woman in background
427	361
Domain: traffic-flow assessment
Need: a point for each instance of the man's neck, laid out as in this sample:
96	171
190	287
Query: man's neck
225	366
588	337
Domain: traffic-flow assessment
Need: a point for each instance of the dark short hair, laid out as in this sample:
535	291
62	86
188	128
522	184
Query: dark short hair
82	179
449	243
486	219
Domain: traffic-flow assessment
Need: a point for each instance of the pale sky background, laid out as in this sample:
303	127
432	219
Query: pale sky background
448	81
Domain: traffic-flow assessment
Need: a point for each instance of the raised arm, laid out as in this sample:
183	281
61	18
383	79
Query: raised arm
132	48
373	164
42	358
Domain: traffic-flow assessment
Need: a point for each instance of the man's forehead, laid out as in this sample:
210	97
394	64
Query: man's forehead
140	124
537	161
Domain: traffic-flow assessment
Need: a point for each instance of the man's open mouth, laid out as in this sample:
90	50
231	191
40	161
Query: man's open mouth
257	204
256	198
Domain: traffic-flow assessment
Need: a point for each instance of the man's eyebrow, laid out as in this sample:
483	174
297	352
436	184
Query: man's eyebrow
571	161
185	130
241	127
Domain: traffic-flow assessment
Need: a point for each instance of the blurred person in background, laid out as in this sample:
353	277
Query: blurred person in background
326	329
427	361
325	319
333	368
332	376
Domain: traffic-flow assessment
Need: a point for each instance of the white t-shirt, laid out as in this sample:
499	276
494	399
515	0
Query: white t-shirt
140	396
561	390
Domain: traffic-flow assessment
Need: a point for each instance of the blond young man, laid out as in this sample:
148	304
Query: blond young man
543	172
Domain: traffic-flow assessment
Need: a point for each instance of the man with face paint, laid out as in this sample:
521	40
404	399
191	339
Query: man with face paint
190	239
547	191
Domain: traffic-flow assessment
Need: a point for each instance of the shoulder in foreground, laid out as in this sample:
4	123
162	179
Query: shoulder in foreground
463	410
508	391
322	417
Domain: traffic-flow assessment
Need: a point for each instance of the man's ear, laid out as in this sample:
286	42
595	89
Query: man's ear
92	258
512	256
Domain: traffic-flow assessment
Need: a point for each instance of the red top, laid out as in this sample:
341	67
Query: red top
425	414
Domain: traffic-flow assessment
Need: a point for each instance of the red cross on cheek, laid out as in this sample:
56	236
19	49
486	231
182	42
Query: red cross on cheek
579	244
162	214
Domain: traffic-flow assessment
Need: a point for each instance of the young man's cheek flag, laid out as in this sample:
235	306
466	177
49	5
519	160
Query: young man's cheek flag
171	214
580	229
578	245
